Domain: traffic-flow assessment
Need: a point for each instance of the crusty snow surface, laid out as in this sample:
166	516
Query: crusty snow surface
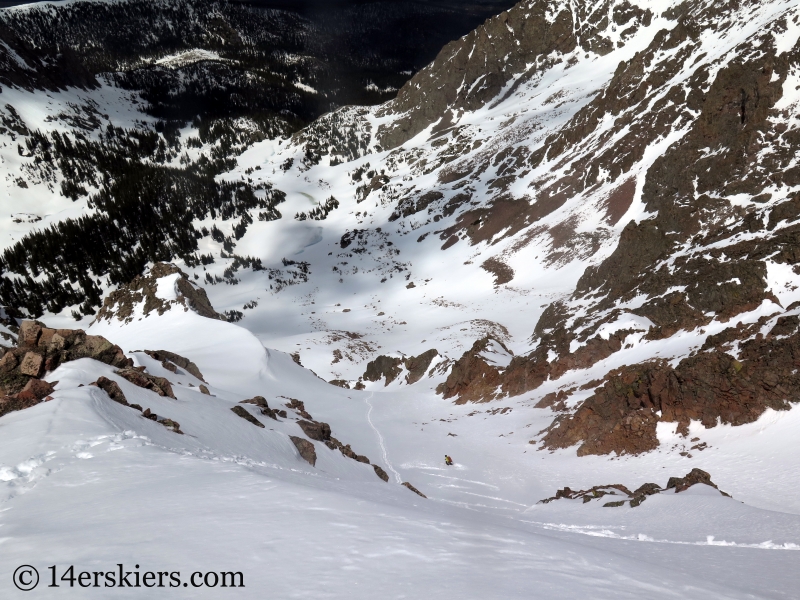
86	481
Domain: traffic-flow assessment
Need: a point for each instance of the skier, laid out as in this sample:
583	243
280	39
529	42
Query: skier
448	461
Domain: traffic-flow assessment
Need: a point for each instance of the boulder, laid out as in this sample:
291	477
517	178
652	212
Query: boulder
112	389
36	389
32	364
381	473
242	412
413	489
305	448
315	430
29	333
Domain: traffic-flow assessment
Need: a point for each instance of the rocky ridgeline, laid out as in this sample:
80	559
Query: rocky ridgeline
635	498
40	350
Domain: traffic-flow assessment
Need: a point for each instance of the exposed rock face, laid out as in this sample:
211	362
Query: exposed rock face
159	385
709	387
170	357
418	365
305	448
473	378
116	394
722	213
120	303
383	366
635	498
680	484
242	412
503	47
390	367
299	407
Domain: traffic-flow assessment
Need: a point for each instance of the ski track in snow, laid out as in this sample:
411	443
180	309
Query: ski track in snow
397	477
595	531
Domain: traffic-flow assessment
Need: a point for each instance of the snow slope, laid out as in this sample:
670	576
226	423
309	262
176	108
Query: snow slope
89	482
86	481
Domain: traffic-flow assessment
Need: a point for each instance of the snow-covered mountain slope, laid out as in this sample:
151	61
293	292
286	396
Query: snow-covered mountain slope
530	260
88	481
584	187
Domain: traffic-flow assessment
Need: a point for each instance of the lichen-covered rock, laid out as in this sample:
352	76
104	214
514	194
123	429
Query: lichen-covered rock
32	364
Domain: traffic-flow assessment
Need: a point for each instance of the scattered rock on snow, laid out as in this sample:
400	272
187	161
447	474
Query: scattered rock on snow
261	402
159	385
176	359
635	498
413	489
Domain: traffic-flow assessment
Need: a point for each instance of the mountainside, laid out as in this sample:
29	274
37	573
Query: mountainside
562	251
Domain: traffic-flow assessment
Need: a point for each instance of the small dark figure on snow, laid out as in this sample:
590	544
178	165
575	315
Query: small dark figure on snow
448	461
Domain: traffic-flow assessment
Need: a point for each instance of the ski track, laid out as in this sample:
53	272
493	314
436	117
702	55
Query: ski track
397	477
606	533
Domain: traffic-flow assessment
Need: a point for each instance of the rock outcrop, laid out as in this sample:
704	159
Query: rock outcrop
635	498
143	291
389	368
473	377
709	387
166	357
158	385
305	448
40	350
261	402
242	412
112	389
